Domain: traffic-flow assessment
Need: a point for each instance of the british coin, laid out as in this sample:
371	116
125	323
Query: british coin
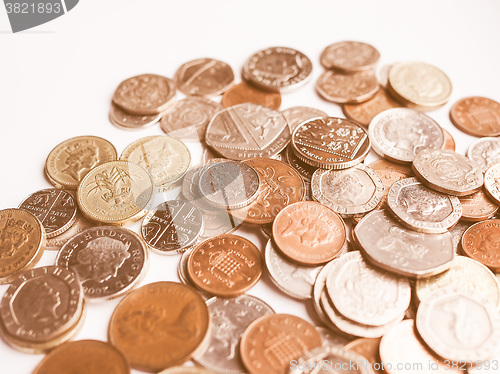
368	348
465	273
244	93
248	130
298	114
477	207
399	134
419	85
351	191
58	241
365	295
218	223
186	370
309	233
204	77
306	171
277	69
457	232
453	338
448	172
482	243
476	116
115	193
292	279
272	341
157	318
22	242
492	182
41	305
330	143
485	152
390	246
401	351
280	185
350	56
228	320
227	265
318	288
347	88
229	184
94	355
72	159
145	94
188	118
172	227
108	261
127	121
165	158
331	338
54	208
421	209
363	113
449	142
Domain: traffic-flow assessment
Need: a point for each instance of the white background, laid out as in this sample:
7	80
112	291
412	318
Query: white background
57	80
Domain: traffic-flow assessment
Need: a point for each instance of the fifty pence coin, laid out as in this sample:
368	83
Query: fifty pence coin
485	152
492	182
363	113
481	242
350	56
127	121
298	114
245	93
477	116
347	88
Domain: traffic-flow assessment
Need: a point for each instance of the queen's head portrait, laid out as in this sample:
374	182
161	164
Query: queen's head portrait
422	205
13	236
80	160
348	189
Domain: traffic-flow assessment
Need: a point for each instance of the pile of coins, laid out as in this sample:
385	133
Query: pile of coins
397	259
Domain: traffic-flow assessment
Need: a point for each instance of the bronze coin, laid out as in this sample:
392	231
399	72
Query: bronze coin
244	93
84	357
449	142
159	325
309	233
280	185
368	348
306	171
477	207
363	113
481	242
477	116
22	242
272	341
204	77
225	266
56	210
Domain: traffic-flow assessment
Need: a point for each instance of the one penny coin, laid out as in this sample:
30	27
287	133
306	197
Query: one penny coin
482	243
477	116
204	77
449	142
244	93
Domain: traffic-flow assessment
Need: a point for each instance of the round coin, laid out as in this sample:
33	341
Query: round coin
278	69
347	88
157	318
449	142
477	116
298	114
226	265
399	134
363	113
145	94
58	241
115	193
309	233
127	121
22	242
485	152
369	349
481	242
244	93
72	159
350	56
477	207
448	172
330	143
306	171
108	261
492	182
204	77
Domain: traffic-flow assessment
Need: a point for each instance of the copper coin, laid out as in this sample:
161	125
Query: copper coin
350	56
159	325
204	77
481	242
306	171
280	185
309	233
84	356
56	209
347	88
107	260
272	341
244	93
492	182
368	348
449	142
145	94
363	113
389	173
477	207
477	116
127	121
22	242
226	265
58	241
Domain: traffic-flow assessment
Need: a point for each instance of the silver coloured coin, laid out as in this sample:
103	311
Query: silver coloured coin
228	320
306	171
492	182
399	134
457	232
457	324
246	131
390	246
350	191
364	294
422	209
485	152
294	280
319	288
229	184
350	56
330	339
448	172
298	114
127	121
191	186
